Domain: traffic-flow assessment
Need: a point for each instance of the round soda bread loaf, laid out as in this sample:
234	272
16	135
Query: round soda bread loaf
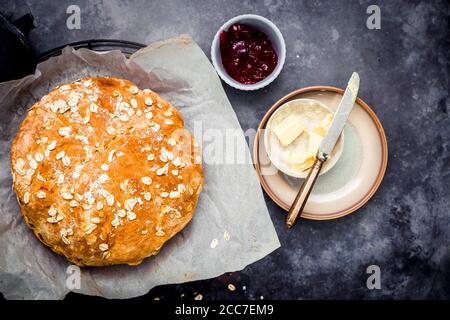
104	172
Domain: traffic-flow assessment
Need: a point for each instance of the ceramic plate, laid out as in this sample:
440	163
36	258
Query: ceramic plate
353	179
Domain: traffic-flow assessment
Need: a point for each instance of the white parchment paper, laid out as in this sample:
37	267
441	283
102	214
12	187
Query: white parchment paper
231	200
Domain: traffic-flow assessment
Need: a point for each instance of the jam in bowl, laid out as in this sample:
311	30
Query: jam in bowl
248	52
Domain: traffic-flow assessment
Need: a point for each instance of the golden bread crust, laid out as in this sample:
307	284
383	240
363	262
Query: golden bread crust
105	173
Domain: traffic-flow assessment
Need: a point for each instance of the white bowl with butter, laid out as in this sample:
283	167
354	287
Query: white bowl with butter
294	133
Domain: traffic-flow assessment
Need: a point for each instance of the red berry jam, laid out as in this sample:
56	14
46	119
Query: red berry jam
247	54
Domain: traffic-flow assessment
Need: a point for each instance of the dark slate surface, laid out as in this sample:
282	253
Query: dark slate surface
405	228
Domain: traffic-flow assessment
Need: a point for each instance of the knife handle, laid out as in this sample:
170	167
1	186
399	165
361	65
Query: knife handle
302	196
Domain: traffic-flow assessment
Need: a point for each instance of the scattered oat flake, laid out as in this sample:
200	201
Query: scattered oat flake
174	194
131	215
62	106
164	194
60	155
148	114
163	170
146	180
91	200
198	297
52	145
64	131
95	220
148	101
91	227
93	108
214	243
111	130
115	222
87	206
134	103
103	246
26	197
52	220
66	161
226	236
110	200
155	127
64	87
20	163
111	155
39	157
130	203
159	231
33	164
231	287
73	203
147	196
103	178
52	212
73	100
121	213
40	194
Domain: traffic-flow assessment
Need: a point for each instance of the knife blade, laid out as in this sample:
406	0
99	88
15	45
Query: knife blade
340	117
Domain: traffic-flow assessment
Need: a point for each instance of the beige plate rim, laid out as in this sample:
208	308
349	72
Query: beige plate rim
361	202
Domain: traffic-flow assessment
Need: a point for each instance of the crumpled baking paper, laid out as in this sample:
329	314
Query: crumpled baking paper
231	208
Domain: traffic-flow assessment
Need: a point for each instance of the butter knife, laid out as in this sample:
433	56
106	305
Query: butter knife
340	118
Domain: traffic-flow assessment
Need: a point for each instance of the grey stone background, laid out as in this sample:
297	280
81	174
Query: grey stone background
405	228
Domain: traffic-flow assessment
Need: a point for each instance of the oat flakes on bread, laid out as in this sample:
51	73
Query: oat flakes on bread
104	172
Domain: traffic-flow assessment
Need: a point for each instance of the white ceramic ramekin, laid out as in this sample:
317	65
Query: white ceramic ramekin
259	23
270	142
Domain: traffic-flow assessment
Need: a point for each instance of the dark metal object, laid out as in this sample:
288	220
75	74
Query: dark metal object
126	47
17	59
